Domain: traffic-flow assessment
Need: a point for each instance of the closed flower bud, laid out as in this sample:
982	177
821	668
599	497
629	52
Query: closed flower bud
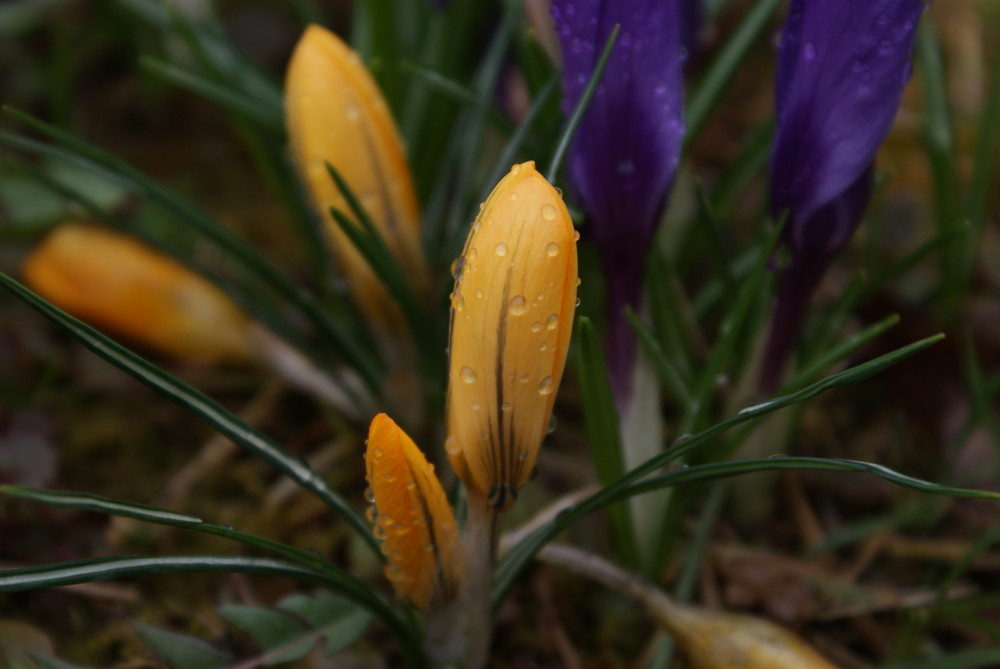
336	114
412	518
116	283
511	320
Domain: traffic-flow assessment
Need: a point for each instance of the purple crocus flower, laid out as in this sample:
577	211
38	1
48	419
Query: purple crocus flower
621	165
841	72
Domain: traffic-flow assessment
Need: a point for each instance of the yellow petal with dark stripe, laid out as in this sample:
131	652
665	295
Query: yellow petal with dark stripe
512	316
116	283
412	517
336	114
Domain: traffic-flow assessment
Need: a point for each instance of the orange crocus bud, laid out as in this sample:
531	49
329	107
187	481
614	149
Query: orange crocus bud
511	320
336	114
116	283
412	517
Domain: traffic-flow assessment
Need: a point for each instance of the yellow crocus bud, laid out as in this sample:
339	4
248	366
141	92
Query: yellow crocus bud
336	114
511	320
116	283
412	518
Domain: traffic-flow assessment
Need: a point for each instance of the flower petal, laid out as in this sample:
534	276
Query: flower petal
512	317
412	517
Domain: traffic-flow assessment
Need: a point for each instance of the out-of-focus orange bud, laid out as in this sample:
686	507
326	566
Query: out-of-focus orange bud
336	114
411	517
511	321
115	283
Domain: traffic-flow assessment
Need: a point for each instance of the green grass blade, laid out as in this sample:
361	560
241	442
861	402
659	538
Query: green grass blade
576	117
718	74
985	159
509	151
517	558
939	142
603	431
103	569
228	98
198	403
669	375
842	350
455	91
157	516
732	330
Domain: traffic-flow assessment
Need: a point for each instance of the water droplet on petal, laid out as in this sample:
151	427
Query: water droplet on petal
524	377
543	346
452	446
459	303
552	250
475	405
518	305
456	267
551	322
472	253
501	249
369	495
548	212
546	386
505	406
353	111
513	196
479	293
536	326
468	374
576	236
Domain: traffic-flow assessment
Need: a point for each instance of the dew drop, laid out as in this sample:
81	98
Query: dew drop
369	495
452	446
377	452
543	346
411	485
578	281
371	515
522	456
475	405
479	293
390	477
546	386
551	322
472	253
501	249
505	406
536	327
518	305
524	378
468	374
378	532
456	267
548	212
552	250
576	235
353	111
459	303
577	303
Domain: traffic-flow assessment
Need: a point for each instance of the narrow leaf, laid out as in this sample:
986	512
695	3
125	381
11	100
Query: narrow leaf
200	404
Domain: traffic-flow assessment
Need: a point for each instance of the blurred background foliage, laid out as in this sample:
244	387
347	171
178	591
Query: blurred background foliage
872	575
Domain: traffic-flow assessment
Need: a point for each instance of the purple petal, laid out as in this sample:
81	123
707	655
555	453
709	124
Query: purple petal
841	72
622	161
